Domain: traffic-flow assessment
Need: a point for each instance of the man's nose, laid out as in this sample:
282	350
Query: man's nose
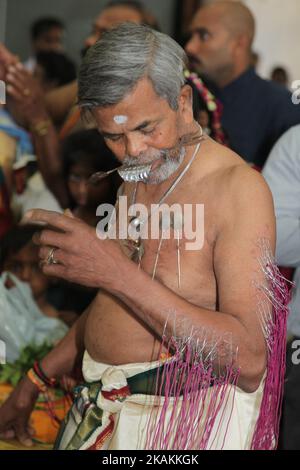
192	46
135	145
91	40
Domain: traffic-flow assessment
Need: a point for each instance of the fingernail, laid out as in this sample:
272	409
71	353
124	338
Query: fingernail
9	76
20	66
28	215
68	213
11	68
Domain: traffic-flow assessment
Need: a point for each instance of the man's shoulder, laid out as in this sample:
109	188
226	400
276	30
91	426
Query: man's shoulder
246	200
270	86
272	92
236	178
229	174
215	151
243	180
250	200
278	95
236	190
217	159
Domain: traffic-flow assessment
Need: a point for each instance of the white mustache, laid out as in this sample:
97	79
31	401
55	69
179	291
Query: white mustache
144	158
152	155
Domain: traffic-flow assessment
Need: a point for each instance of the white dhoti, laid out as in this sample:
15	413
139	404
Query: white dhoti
109	415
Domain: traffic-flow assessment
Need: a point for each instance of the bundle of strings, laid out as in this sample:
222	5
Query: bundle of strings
273	312
194	389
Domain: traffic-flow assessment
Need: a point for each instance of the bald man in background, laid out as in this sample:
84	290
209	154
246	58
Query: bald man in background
256	111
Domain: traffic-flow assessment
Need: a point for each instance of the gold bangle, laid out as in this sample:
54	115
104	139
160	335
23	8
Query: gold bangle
41	128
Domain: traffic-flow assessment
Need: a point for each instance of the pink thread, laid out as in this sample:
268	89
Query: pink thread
196	394
267	426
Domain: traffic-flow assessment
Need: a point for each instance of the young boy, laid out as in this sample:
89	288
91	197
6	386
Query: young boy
85	153
19	256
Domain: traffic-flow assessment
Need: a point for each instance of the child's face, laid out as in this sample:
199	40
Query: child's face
84	194
25	266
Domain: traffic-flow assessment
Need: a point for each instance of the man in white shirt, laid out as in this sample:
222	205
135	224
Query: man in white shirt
282	172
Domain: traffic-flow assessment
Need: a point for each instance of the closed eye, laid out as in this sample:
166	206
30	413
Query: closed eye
117	137
113	138
148	132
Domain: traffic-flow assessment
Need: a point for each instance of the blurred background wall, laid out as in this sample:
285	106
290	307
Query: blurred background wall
3	4
277	35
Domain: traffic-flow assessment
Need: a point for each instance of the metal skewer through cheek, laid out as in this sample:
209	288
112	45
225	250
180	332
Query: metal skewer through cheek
129	173
136	173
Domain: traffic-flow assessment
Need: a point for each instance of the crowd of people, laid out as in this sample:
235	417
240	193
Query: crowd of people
50	148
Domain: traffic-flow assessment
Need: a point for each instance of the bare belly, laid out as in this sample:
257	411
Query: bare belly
114	336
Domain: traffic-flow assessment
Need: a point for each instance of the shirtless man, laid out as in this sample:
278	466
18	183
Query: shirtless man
143	108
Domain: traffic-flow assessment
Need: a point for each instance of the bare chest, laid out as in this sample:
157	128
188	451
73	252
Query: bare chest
176	247
175	241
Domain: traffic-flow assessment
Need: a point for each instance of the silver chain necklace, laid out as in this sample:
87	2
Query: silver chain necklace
137	246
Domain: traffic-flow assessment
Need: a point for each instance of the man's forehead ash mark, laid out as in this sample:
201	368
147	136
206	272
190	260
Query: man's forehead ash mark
120	119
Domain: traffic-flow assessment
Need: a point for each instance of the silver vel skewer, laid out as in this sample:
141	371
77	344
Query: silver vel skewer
129	173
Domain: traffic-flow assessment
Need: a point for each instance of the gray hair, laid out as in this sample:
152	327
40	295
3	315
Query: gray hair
123	56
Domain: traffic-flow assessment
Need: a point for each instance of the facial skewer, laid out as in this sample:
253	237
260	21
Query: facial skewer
135	173
129	173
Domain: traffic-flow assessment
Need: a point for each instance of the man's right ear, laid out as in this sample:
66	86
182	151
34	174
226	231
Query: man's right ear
186	103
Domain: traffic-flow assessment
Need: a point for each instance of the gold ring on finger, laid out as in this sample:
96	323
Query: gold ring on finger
50	258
